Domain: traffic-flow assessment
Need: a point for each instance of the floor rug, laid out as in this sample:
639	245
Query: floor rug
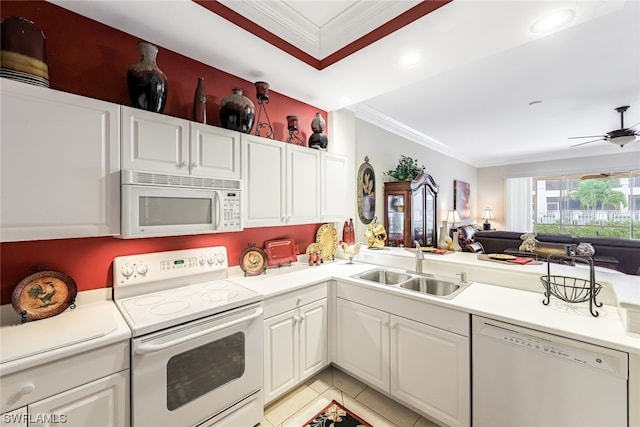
334	414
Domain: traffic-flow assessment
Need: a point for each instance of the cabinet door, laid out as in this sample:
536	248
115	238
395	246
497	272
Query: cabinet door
215	152
263	173
430	370
60	164
313	338
153	142
334	182
101	403
362	342
281	354
303	185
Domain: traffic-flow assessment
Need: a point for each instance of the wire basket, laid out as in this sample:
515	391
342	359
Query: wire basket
570	289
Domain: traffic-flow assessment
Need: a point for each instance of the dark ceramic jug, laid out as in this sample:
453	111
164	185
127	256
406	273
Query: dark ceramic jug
146	82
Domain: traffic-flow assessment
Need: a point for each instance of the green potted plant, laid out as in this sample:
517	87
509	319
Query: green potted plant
407	169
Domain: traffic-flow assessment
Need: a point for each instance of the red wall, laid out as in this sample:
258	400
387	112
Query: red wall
91	59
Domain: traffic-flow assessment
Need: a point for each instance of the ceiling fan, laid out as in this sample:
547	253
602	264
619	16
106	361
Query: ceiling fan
619	137
606	175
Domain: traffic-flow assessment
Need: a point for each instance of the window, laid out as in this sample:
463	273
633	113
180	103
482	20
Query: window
587	205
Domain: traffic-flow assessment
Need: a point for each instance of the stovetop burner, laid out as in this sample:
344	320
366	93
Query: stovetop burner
159	290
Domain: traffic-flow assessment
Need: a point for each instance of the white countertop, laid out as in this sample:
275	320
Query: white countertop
95	322
521	304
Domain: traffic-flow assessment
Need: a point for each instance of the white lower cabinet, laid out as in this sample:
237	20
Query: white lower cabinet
101	403
430	370
295	339
424	367
362	345
86	389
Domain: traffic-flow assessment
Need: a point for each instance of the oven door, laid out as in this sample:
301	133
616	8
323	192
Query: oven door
149	211
189	373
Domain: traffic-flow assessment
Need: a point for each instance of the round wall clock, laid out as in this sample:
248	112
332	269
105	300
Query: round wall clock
253	260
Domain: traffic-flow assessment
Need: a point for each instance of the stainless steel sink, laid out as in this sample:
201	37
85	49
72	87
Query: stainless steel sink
384	277
426	285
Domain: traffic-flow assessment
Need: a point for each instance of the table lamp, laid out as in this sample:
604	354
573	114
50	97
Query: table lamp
487	214
453	217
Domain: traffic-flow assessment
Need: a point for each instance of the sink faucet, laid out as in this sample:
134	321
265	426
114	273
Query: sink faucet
463	277
419	258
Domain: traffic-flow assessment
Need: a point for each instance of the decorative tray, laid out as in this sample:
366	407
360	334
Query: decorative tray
281	252
327	236
501	257
44	294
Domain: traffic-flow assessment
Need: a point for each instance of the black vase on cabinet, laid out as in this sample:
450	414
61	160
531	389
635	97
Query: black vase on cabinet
147	84
237	112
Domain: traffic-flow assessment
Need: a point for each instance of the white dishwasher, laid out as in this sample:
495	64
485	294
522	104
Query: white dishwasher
522	377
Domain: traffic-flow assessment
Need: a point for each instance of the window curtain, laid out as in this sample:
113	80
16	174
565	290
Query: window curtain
519	209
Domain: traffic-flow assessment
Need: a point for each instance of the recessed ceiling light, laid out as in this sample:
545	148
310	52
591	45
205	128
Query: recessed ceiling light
345	100
410	58
553	21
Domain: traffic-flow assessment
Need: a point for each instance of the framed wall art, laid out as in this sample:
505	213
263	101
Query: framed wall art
366	192
462	198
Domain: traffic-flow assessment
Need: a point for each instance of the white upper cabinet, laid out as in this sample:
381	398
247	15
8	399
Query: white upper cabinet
215	152
60	164
153	142
282	183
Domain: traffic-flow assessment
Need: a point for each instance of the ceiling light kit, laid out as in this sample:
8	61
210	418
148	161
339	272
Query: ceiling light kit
410	58
553	21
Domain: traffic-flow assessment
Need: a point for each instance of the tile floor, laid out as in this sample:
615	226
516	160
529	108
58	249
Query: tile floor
297	407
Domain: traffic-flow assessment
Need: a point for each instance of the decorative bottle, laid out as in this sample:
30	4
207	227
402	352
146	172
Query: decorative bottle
352	234
237	112
200	102
442	237
345	232
455	244
147	84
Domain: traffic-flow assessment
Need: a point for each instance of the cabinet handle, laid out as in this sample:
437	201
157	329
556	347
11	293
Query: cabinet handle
183	164
394	326
194	165
298	301
385	324
27	389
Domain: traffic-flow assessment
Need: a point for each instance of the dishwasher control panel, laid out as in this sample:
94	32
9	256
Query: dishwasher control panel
540	345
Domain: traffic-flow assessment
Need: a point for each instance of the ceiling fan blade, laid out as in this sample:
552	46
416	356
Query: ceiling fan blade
588	142
590	136
635	126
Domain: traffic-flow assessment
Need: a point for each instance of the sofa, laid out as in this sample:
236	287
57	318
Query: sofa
625	251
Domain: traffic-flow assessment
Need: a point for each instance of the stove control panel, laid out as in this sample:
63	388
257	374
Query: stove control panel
159	266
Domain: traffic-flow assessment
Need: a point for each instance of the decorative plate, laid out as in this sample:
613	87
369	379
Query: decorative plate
253	260
429	249
44	294
313	248
502	257
327	236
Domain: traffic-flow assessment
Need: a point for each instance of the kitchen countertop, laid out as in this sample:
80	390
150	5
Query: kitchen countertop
94	323
520	305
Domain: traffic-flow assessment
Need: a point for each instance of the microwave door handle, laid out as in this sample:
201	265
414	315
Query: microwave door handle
152	348
219	210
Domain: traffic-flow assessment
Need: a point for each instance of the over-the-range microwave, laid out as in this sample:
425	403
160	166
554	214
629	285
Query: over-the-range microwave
155	205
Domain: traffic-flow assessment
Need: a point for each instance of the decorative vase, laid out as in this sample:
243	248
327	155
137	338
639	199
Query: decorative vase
200	102
585	249
146	82
318	139
455	244
442	238
237	112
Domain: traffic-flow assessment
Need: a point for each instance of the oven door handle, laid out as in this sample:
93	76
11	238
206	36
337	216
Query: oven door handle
152	348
